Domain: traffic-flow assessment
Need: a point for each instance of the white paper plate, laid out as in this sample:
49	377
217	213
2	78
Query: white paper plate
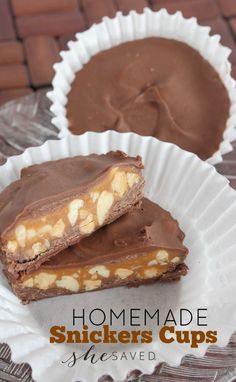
205	207
112	32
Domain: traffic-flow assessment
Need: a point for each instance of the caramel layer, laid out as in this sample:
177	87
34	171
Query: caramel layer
84	278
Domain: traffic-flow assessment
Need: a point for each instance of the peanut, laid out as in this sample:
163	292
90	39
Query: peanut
152	262
94	196
101	270
132	179
151	272
45	229
123	273
162	257
175	260
44	280
39	247
87	226
104	203
83	213
58	229
20	233
74	207
12	246
68	282
29	283
119	184
92	284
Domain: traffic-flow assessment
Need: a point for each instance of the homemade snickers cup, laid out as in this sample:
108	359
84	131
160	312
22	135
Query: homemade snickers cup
154	74
87	191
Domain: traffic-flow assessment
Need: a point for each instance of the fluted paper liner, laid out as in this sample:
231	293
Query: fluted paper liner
112	32
205	206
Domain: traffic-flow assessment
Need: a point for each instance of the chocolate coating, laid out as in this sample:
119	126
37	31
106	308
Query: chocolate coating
51	182
156	87
139	231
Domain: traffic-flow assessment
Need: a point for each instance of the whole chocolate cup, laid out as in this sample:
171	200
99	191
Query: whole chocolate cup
113	32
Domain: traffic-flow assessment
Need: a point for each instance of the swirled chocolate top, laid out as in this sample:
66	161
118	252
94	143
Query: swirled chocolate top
155	86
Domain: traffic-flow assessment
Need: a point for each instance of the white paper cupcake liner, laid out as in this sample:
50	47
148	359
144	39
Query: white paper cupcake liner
112	32
205	206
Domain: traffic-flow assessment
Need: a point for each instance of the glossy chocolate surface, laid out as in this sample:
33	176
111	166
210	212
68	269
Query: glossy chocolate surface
156	87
